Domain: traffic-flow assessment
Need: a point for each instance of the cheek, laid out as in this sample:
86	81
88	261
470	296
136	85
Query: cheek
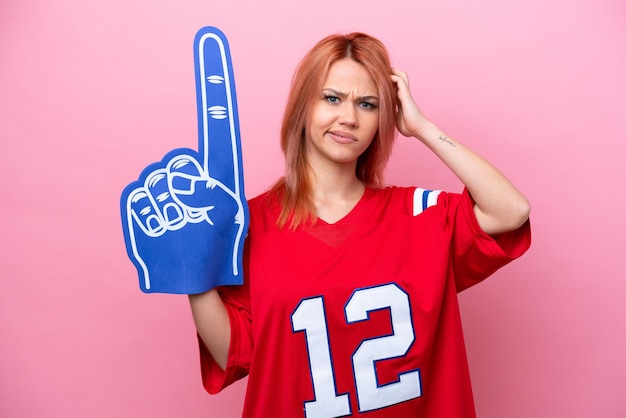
372	125
324	116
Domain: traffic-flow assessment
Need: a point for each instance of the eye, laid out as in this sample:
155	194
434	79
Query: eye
331	99
368	105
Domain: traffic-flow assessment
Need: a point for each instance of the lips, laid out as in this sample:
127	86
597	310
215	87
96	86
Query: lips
342	137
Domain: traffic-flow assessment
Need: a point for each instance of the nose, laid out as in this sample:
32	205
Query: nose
348	115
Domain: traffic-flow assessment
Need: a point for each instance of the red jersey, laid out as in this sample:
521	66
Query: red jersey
359	317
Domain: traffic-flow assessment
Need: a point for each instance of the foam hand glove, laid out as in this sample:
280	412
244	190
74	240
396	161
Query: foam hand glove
185	218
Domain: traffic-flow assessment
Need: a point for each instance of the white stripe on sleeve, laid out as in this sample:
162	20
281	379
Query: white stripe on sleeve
423	199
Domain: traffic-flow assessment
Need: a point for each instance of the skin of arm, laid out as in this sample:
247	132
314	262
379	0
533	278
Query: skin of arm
212	323
499	206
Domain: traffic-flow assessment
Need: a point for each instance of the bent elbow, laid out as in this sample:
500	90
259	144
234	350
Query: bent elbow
523	212
519	213
507	218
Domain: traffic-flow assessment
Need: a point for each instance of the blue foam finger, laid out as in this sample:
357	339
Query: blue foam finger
217	108
185	218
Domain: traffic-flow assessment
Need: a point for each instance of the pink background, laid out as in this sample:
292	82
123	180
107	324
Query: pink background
92	92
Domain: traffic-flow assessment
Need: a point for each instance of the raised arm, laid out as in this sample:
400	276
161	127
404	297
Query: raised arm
499	207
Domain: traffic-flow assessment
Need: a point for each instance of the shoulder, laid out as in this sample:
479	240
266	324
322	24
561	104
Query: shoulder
260	203
264	210
414	199
259	199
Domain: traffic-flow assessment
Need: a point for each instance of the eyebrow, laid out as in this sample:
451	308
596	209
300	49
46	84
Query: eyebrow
343	95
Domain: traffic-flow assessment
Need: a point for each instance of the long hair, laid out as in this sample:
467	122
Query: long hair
293	191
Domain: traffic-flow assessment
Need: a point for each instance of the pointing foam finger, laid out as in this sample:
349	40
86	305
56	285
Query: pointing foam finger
218	121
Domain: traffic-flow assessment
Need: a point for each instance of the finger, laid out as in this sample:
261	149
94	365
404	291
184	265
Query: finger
135	220
218	120
404	93
401	74
184	174
164	205
401	83
194	189
140	210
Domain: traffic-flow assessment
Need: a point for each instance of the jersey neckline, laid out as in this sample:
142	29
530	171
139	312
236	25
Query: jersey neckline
354	212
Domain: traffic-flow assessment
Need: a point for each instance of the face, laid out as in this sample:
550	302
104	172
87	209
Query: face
344	118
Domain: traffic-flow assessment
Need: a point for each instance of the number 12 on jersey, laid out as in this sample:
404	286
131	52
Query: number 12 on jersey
310	317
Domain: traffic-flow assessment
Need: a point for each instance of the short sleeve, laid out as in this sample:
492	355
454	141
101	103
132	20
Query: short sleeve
477	255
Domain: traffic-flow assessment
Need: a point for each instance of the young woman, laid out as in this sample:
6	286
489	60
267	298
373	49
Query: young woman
349	306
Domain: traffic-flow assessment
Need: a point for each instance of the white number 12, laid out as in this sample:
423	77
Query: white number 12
310	317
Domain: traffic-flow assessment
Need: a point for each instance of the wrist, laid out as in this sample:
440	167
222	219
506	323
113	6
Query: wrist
427	132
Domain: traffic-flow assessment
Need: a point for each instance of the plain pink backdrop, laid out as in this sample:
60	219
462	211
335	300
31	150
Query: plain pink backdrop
92	92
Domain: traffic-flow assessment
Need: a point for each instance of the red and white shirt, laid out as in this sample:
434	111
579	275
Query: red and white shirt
359	317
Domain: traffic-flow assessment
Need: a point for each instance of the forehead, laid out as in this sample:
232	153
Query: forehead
347	76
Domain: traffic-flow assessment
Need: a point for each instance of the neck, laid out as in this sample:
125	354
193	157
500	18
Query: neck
334	179
336	190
